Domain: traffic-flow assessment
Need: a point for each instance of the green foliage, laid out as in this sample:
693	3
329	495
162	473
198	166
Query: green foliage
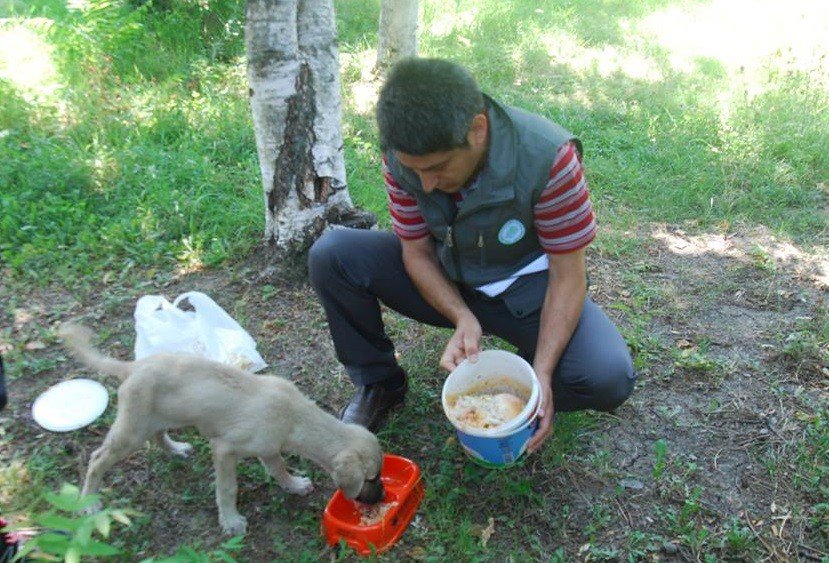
660	452
128	166
739	538
142	156
69	532
137	156
696	360
706	144
186	554
808	344
813	459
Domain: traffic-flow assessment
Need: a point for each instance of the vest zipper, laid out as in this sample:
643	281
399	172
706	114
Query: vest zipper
481	248
450	242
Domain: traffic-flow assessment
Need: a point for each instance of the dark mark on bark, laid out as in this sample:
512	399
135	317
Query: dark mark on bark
294	168
322	188
294	163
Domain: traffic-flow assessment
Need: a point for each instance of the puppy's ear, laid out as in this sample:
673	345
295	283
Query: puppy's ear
348	473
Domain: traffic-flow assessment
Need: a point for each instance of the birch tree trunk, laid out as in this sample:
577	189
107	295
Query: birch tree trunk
398	32
294	81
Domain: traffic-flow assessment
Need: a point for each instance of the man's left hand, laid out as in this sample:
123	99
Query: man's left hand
465	343
545	416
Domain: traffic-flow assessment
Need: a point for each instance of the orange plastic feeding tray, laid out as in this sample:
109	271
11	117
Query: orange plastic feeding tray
341	520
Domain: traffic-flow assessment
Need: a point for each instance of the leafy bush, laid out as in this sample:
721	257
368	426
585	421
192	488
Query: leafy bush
70	531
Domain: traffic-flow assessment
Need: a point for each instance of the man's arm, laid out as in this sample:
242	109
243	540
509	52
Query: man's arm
422	266
563	303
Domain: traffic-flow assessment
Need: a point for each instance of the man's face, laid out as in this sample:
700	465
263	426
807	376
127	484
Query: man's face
449	171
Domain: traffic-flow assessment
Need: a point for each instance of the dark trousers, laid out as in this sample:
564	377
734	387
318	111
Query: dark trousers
353	271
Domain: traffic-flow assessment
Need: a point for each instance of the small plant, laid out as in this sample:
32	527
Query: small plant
69	534
738	538
691	507
761	259
660	451
186	554
268	292
696	360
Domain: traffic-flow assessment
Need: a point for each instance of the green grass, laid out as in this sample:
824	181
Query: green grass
143	156
126	150
137	150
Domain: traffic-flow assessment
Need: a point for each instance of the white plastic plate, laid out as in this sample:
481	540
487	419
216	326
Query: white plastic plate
70	405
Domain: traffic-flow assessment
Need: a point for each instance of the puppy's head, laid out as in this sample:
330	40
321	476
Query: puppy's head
356	469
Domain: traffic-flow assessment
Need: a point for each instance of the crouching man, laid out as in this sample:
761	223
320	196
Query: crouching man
491	217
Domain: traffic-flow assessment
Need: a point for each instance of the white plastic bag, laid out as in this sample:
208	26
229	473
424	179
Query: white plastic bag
208	331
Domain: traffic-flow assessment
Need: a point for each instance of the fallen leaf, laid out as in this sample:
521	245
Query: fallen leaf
632	484
417	553
487	532
36	345
22	317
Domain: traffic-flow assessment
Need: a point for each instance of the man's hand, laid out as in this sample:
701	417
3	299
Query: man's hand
545	415
421	262
563	303
465	343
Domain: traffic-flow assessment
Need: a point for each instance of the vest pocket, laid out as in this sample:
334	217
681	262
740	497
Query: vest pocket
526	295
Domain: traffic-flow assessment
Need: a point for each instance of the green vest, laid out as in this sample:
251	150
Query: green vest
492	235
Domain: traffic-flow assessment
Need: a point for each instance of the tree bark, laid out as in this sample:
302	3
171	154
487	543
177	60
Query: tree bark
398	32
293	75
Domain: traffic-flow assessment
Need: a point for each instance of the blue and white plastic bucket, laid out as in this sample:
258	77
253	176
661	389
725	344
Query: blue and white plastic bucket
502	445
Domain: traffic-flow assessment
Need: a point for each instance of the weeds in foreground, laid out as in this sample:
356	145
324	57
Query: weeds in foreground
69	532
660	451
73	530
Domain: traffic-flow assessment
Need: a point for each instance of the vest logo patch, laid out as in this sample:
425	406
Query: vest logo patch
511	232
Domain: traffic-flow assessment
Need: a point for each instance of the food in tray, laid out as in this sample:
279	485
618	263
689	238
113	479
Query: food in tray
371	514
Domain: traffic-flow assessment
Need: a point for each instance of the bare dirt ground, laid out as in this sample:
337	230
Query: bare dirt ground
709	447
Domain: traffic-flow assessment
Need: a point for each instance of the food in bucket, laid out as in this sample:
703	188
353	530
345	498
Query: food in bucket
371	514
488	404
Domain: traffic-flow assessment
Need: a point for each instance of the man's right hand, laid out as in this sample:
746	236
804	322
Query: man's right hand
421	262
465	343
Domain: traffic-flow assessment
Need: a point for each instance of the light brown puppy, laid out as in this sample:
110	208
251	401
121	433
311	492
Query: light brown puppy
243	415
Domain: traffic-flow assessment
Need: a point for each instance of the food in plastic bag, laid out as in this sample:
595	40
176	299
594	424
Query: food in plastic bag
206	331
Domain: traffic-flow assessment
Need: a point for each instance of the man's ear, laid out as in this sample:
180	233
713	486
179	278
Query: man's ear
348	474
478	130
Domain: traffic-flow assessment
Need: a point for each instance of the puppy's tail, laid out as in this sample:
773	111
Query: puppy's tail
78	339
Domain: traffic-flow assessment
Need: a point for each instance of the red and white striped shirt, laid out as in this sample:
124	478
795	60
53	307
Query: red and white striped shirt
563	215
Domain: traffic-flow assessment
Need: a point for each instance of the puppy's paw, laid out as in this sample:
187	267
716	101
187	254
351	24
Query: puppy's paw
235	525
299	485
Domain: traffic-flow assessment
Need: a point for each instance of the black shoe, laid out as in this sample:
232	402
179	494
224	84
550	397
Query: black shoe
371	403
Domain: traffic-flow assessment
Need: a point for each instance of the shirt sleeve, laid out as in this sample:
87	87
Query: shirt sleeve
564	219
407	221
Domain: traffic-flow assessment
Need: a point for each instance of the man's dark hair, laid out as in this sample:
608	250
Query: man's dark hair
426	106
